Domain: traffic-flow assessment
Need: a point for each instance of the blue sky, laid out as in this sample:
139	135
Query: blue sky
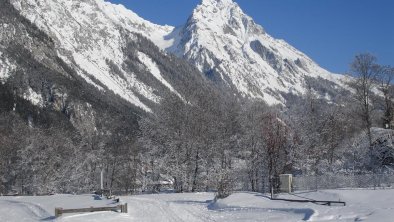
331	32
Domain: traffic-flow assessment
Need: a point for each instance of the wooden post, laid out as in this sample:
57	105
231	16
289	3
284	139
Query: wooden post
272	192
123	208
58	212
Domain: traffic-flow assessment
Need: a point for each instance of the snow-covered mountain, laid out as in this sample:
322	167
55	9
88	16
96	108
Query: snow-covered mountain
227	45
84	67
94	37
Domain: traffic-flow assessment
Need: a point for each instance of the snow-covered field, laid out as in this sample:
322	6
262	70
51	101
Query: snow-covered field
362	205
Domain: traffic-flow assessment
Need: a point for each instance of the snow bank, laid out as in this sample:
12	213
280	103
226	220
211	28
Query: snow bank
362	205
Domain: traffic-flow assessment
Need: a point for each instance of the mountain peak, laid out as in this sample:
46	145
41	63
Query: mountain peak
228	46
223	16
216	5
217	2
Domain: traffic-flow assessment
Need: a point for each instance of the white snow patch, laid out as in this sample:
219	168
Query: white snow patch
86	78
143	89
270	100
105	78
155	71
33	97
377	91
5	68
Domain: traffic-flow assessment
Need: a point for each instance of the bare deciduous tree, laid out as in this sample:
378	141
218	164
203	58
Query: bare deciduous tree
276	136
365	69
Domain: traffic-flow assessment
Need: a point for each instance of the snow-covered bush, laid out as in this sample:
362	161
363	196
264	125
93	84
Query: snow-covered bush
225	185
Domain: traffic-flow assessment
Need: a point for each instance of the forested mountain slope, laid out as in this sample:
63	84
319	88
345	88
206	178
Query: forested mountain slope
71	95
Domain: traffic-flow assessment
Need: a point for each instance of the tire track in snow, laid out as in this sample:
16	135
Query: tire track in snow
151	210
195	211
34	210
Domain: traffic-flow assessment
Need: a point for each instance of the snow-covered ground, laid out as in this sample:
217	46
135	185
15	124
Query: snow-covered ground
362	205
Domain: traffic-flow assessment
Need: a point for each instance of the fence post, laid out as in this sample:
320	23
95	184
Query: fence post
58	212
123	208
374	181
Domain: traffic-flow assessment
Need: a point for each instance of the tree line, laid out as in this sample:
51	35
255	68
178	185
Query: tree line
221	143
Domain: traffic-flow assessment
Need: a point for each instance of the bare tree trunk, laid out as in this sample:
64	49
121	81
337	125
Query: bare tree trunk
195	171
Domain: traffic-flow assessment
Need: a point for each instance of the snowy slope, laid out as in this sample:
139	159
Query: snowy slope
224	42
361	205
90	36
152	68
